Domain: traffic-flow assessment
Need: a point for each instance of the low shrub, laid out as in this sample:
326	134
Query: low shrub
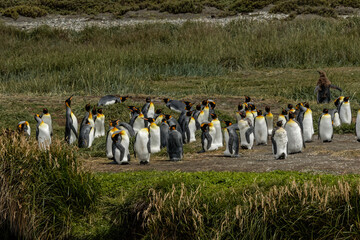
24	10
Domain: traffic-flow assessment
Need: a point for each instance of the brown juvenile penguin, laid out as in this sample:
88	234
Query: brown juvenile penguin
323	88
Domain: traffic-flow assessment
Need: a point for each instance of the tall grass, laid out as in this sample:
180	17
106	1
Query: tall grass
42	193
134	59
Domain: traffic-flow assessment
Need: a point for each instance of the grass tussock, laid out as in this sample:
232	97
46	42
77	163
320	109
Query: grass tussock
42	192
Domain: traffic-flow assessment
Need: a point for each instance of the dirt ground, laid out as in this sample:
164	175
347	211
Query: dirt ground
340	157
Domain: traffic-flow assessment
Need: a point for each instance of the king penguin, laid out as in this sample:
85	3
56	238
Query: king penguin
120	147
111	99
357	126
86	136
175	145
154	136
246	132
269	120
283	117
231	140
185	126
43	134
164	133
71	124
99	124
308	124
279	141
218	140
295	135
23	127
142	145
112	129
46	117
174	105
345	111
206	138
148	109
326	130
260	129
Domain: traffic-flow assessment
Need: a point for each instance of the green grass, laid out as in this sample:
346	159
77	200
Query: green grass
321	7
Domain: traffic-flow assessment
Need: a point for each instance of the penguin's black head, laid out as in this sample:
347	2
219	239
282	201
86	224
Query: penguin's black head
337	101
187	103
246	108
45	111
259	112
158	111
252	107
123	99
164	120
167	116
306	104
93	111
115	137
326	110
87	107
284	112
267	109
37	117
150	120
173	127
100	110
198	107
242	115
213	116
240	107
228	123
166	100
114	123
148	99
188	107
290	106
205	102
204	127
189	113
279	123
212	105
291	115
346	99
68	101
247	99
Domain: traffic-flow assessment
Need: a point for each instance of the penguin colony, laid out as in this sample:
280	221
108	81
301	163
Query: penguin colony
150	130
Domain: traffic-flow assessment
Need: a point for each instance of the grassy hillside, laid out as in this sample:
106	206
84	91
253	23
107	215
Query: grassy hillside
38	8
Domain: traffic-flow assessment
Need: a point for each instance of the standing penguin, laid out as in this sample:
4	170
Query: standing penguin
112	130
86	136
295	135
148	109
164	133
246	132
120	147
88	116
186	134
322	89
46	117
269	120
260	129
357	126
154	135
335	117
172	121
134	113
71	124
43	134
175	145
139	123
283	117
249	115
308	124
142	145
206	110
218	140
279	141
326	130
23	127
196	114
231	140
345	111
206	138
99	124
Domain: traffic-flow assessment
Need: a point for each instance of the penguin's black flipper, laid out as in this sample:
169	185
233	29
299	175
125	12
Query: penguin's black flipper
274	145
121	148
148	145
231	140
209	138
74	130
319	125
236	143
248	133
335	87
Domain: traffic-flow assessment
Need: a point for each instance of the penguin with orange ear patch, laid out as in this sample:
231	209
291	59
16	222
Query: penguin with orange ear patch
111	99
23	127
231	140
43	134
120	147
175	144
46	117
71	124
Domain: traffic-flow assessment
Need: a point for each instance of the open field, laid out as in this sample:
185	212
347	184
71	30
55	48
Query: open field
72	193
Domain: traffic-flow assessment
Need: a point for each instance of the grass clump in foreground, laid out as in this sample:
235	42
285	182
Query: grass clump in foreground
41	192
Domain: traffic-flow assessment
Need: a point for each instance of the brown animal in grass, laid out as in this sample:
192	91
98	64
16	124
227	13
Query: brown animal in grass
323	88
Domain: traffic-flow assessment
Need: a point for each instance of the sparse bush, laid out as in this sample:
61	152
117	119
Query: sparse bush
24	10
